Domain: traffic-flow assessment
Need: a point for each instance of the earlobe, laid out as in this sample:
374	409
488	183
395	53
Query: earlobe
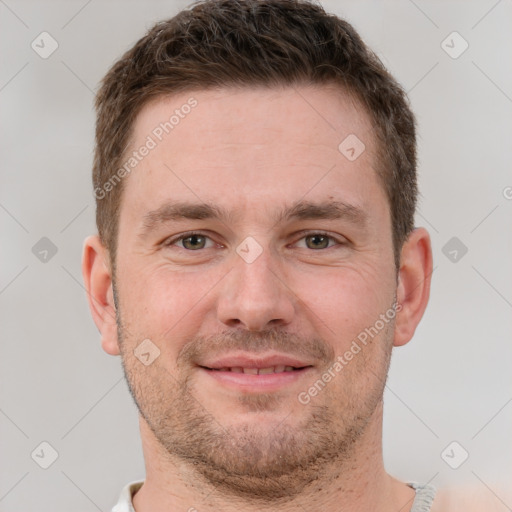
98	284
413	285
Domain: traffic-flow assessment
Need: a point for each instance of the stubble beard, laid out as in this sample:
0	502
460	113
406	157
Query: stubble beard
246	461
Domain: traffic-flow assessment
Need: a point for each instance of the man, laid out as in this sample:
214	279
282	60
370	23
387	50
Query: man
257	260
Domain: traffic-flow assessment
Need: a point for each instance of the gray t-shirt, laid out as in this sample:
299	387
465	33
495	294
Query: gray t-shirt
424	497
422	502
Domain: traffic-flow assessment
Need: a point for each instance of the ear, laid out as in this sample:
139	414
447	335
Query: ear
413	284
98	284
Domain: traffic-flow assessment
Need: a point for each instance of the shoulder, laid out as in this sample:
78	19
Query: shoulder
473	498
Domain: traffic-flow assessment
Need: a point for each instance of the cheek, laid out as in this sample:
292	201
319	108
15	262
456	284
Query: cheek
343	301
165	305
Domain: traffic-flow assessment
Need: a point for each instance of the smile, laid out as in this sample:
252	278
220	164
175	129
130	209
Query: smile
257	371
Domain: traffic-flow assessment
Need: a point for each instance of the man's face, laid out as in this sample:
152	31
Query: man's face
257	289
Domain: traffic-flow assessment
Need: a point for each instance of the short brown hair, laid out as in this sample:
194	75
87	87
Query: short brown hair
217	43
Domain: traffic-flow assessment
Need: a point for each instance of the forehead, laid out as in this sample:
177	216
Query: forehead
255	116
253	149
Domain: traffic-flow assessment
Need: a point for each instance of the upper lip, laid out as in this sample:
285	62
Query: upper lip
247	360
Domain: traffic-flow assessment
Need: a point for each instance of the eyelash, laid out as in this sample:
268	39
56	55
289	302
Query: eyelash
172	241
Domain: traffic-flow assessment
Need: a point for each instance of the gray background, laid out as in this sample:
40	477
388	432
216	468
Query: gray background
451	383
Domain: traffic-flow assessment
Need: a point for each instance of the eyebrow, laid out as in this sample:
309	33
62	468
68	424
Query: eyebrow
301	210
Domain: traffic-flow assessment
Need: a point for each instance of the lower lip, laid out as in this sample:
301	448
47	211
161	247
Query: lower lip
257	383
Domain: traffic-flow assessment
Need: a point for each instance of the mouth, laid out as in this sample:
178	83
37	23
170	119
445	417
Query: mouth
250	374
256	370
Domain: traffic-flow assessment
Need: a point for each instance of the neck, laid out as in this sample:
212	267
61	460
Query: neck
358	483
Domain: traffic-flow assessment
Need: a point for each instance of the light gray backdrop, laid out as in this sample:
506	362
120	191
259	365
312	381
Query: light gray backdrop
57	386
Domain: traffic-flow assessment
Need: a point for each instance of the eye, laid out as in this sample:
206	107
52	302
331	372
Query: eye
316	241
195	241
189	241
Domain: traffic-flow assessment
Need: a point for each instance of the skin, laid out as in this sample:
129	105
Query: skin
211	446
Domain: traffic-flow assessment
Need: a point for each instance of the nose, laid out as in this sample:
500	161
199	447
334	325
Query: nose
254	295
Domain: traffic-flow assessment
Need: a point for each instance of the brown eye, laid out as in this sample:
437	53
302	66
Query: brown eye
317	241
194	242
190	241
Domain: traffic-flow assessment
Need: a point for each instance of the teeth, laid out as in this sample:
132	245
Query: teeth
256	371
